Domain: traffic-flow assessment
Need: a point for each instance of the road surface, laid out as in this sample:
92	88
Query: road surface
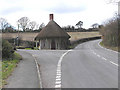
86	66
25	74
90	66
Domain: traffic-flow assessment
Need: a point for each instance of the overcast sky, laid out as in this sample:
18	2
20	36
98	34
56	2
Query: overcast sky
66	12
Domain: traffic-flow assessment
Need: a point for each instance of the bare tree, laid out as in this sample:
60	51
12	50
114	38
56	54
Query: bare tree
95	25
79	24
23	22
3	23
32	25
42	26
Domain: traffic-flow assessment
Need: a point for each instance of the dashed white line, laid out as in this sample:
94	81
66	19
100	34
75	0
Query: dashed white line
113	63
58	86
98	55
58	73
58	82
58	79
104	58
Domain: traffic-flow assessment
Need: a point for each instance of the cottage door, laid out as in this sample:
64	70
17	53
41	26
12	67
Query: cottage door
53	47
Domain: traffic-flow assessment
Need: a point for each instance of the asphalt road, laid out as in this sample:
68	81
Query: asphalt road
47	59
86	66
90	66
25	74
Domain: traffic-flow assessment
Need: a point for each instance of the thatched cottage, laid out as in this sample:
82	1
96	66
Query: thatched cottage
52	36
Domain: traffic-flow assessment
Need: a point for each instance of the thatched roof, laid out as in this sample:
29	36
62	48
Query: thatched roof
52	30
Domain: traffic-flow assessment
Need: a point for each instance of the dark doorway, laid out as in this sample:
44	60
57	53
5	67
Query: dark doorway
53	47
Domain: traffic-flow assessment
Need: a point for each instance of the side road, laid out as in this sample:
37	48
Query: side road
25	75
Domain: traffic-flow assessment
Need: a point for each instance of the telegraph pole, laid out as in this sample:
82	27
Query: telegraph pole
119	8
18	36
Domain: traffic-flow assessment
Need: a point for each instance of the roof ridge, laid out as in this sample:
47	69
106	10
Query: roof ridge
52	29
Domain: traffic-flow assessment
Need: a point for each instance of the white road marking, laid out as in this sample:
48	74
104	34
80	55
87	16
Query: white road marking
38	71
58	79
104	58
106	48
113	63
98	55
58	86
58	82
58	72
58	76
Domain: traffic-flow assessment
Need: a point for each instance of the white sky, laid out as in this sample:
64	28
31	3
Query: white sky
66	12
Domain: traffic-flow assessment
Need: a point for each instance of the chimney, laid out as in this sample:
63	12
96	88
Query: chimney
51	17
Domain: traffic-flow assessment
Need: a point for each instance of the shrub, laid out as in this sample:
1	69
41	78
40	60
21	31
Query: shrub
111	33
7	49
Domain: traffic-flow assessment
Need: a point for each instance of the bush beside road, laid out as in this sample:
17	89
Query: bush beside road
9	61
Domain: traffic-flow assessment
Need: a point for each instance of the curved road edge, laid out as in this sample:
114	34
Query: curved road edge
38	71
106	48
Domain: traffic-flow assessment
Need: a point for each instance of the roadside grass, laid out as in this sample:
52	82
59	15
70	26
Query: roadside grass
72	46
108	47
22	47
0	74
35	48
8	67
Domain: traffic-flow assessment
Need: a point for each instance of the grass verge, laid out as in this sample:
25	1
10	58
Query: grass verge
35	48
0	74
8	66
108	47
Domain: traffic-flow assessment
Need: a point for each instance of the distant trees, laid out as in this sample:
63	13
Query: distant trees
41	26
3	24
69	28
95	25
32	25
79	24
23	22
28	25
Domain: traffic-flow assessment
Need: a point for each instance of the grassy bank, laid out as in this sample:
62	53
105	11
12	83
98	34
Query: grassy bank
32	48
8	66
108	47
0	74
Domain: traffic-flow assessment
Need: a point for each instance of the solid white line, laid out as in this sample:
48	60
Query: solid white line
107	48
38	71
